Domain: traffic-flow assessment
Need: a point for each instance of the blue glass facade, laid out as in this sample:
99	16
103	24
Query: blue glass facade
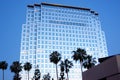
53	27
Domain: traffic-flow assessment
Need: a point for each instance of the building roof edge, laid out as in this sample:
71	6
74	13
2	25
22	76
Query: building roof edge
60	5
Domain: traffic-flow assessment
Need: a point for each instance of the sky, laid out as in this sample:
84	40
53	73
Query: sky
13	15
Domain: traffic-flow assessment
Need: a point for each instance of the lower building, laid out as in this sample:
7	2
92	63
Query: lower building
108	69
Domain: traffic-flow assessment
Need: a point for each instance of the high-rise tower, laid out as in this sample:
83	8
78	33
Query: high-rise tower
53	27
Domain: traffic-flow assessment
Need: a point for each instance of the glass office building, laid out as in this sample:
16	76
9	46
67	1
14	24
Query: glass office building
54	27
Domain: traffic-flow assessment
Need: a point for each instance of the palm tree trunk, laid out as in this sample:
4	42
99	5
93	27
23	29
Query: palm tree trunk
3	74
81	70
67	76
28	75
56	72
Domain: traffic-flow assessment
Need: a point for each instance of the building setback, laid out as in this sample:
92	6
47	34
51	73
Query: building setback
54	27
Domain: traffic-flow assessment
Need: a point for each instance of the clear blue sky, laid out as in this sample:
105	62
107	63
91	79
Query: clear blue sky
12	16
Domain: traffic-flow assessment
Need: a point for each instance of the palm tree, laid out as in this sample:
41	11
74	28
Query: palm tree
79	55
27	67
16	68
62	68
55	57
3	66
46	77
37	74
68	65
89	62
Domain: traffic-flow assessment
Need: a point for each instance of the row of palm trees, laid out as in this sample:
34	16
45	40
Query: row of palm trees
80	55
16	68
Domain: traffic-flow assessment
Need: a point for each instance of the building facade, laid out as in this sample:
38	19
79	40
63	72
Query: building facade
54	27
